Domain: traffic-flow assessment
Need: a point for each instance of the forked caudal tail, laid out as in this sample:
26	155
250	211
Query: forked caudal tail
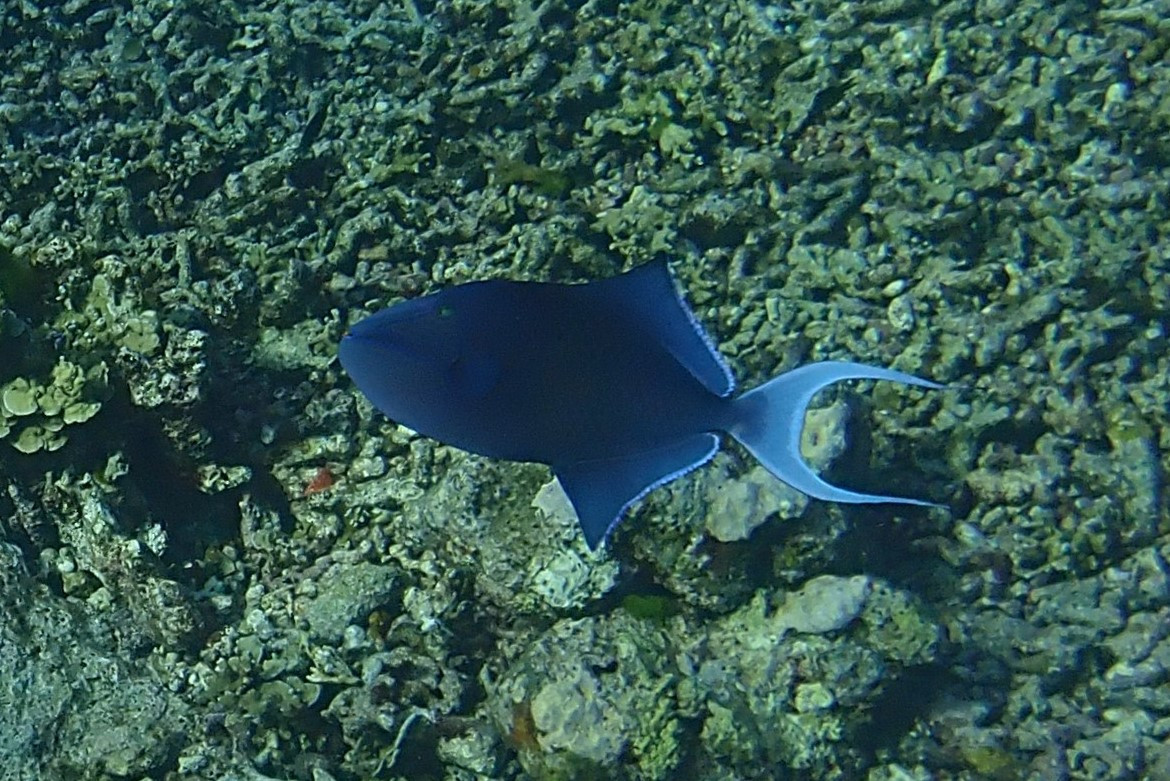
770	419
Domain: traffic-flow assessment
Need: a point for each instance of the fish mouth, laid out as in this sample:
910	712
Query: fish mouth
364	344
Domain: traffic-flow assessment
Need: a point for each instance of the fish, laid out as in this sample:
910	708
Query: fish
612	383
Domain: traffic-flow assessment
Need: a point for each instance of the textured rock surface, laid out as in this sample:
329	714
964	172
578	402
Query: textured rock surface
197	197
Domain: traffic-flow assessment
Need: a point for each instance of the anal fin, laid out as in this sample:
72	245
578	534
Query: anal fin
602	490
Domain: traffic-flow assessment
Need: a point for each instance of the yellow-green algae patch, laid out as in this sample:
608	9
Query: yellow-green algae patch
38	412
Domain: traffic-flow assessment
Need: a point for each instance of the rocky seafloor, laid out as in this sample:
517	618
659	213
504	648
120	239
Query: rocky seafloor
217	561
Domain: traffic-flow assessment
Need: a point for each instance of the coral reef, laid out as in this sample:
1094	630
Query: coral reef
219	562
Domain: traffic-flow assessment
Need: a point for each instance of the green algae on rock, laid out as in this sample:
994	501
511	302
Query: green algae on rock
34	415
593	690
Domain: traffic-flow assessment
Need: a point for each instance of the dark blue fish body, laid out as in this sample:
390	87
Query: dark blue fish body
612	383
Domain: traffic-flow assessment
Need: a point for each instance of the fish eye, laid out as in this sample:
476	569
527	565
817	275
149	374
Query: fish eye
446	310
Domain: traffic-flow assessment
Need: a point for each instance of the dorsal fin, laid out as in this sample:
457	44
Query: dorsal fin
648	295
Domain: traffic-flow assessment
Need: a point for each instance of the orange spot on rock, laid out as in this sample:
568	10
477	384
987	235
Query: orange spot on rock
321	481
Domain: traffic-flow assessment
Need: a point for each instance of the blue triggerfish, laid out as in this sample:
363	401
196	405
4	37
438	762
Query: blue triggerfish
614	384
